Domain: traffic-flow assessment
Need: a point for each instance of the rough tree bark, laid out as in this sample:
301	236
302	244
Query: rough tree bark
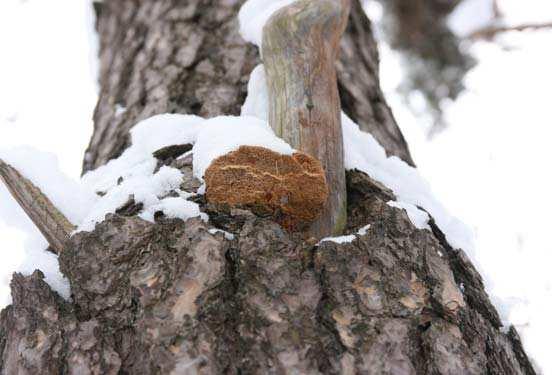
172	298
188	57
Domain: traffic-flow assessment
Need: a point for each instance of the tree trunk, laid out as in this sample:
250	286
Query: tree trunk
188	57
172	298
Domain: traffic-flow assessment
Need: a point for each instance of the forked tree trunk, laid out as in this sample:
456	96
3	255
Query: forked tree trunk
172	298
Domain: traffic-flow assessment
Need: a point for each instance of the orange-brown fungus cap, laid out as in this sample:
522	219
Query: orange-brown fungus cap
291	188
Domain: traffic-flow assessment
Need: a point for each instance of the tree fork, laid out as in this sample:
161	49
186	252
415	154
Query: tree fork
300	47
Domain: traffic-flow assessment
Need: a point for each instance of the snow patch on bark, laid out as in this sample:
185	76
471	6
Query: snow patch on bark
229	236
348	237
362	231
419	218
174	208
339	239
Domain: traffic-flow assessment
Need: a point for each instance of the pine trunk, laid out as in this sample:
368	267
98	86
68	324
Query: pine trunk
172	298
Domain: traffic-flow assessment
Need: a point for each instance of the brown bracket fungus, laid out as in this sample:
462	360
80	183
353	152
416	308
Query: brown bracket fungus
290	188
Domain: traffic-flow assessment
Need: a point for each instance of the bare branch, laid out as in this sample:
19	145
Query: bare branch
489	32
48	219
300	48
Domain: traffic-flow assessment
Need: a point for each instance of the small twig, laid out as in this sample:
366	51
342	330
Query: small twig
489	32
55	227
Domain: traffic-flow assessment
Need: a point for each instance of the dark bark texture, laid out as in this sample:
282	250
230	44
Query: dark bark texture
172	298
188	57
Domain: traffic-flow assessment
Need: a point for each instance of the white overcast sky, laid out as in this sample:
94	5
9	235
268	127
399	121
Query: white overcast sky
491	167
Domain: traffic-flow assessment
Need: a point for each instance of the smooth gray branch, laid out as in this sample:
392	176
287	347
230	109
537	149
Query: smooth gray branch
300	49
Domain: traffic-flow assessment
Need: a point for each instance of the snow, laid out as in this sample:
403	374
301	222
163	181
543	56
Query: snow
498	183
174	208
362	231
339	239
471	15
363	152
256	105
348	237
119	110
221	135
229	236
145	186
373	9
42	168
131	175
37	258
253	16
211	138
419	218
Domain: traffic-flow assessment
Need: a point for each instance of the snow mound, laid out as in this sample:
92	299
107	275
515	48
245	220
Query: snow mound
132	175
133	172
364	153
253	16
419	218
70	197
42	168
224	134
